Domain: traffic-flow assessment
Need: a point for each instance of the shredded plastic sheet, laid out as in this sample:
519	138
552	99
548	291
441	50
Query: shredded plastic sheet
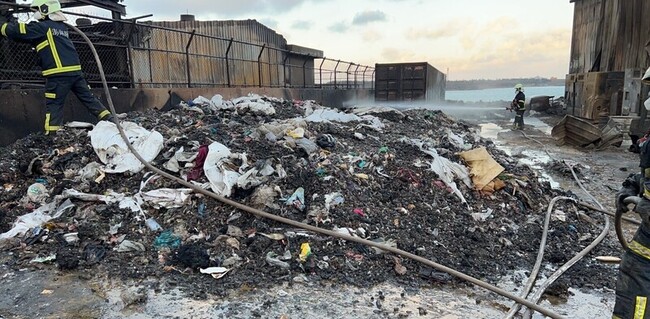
180	156
297	199
216	103
279	129
167	197
254	103
444	168
132	203
221	179
457	140
37	218
90	171
330	115
113	152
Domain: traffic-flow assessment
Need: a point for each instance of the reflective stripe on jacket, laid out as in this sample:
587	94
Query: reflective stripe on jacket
520	100
51	39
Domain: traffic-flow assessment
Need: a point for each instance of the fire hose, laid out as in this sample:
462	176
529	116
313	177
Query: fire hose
619	233
290	222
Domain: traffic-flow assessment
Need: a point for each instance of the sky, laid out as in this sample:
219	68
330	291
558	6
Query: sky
466	39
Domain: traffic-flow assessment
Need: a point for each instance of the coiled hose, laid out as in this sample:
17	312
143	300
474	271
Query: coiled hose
540	255
538	294
293	223
548	282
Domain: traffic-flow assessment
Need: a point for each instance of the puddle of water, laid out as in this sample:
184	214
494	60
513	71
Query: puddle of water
40	294
341	301
534	158
314	302
491	131
579	305
538	124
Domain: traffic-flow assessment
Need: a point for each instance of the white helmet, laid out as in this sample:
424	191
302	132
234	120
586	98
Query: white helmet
43	8
519	87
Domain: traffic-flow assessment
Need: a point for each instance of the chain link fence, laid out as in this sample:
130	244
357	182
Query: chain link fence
146	55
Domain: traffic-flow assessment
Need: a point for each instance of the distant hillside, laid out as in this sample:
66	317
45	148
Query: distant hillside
501	83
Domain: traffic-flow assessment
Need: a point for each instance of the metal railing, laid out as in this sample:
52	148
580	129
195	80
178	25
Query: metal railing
148	55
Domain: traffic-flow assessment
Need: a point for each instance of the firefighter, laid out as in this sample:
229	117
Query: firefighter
519	106
59	61
633	283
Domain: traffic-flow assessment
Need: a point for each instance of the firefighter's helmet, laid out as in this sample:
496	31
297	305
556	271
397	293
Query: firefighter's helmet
45	7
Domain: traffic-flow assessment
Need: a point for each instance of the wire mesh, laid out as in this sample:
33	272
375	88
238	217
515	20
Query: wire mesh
146	55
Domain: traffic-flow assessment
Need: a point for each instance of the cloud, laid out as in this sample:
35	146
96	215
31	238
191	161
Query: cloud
302	25
372	36
508	54
448	30
339	27
270	23
366	17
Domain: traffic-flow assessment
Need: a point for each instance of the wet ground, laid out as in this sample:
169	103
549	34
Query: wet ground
44	292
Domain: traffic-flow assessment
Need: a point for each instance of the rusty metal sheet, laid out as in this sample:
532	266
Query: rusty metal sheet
575	131
582	133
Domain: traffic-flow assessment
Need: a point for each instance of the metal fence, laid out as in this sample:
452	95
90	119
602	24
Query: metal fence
147	55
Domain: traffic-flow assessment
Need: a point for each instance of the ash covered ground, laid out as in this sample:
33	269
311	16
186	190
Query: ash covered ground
386	192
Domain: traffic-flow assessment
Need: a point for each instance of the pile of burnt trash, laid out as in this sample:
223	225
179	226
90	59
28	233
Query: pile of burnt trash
417	179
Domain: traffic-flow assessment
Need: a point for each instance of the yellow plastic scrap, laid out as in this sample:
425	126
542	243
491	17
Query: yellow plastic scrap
297	133
305	252
362	176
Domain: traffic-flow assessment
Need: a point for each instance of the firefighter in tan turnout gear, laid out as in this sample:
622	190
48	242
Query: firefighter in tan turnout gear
59	61
633	283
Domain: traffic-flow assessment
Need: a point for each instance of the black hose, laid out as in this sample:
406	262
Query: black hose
264	214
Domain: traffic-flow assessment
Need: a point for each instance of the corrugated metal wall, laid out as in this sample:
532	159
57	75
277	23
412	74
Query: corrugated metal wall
610	35
609	48
207	55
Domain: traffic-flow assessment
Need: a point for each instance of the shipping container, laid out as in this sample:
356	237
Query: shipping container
409	82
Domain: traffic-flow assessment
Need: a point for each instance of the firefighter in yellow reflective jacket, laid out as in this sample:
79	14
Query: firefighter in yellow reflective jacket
633	283
58	60
519	106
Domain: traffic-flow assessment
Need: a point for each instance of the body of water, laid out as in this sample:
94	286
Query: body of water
502	94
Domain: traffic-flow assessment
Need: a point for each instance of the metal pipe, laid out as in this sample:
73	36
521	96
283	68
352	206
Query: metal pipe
347	76
228	62
284	68
320	71
364	77
259	64
594	208
356	86
304	74
187	59
129	46
150	66
335	70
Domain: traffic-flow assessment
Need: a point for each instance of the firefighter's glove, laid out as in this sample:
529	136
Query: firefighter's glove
622	194
643	209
